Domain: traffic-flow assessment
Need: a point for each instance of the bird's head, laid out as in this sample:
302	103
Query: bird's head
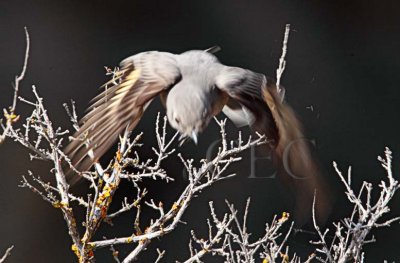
189	115
188	122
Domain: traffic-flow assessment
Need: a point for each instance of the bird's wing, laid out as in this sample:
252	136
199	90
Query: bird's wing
291	151
244	88
140	79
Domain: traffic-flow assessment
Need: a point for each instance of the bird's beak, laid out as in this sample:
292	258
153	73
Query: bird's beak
194	137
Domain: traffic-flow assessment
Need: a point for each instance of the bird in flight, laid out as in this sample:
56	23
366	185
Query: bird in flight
194	87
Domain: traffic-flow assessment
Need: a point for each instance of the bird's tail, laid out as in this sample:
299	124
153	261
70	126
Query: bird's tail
292	156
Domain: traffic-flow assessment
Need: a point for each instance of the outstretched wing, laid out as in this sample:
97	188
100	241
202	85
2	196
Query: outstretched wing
257	102
141	78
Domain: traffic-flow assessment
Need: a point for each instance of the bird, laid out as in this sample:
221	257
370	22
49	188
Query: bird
195	86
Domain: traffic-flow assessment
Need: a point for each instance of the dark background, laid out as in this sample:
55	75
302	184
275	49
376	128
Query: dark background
343	60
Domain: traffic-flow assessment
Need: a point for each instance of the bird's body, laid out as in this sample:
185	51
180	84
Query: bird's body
194	86
195	99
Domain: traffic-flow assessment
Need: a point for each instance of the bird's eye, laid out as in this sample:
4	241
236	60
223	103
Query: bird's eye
177	120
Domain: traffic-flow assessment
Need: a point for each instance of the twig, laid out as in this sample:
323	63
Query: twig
352	233
6	254
236	246
160	255
282	61
10	115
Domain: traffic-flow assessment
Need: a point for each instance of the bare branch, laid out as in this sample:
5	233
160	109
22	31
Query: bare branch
352	233
6	254
236	245
282	61
10	115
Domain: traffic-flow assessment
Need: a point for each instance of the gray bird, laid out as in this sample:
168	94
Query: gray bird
194	87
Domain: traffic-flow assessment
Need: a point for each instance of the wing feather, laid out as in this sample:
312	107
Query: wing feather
290	150
244	86
141	78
